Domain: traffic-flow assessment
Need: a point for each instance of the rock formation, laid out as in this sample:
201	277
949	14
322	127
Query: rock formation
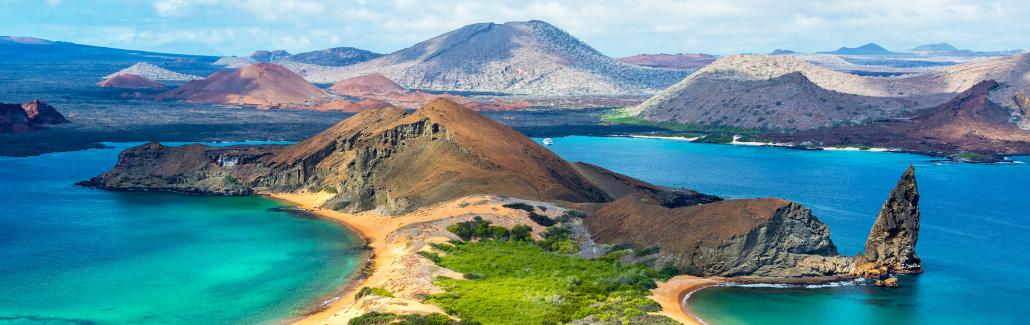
681	61
969	123
28	116
152	72
129	81
269	56
261	84
531	57
1023	103
892	242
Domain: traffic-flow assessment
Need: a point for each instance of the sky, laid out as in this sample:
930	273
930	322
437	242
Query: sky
614	27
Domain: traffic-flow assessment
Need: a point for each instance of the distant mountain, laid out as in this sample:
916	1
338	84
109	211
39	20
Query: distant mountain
261	84
334	57
782	52
269	56
129	81
936	47
682	61
234	62
531	57
373	84
970	122
868	49
24	40
775	92
152	72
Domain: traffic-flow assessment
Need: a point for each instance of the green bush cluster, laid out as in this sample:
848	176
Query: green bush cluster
559	239
365	291
378	318
519	282
541	219
481	229
520	206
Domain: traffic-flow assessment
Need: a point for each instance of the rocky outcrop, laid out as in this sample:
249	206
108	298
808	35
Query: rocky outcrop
758	238
892	241
1023	103
40	113
334	57
263	56
27	117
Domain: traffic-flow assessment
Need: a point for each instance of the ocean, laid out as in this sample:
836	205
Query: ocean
973	239
86	256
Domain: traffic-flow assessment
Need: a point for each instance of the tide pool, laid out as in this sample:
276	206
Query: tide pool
973	239
78	255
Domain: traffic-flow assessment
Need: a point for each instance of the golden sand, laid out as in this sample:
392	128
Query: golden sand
670	294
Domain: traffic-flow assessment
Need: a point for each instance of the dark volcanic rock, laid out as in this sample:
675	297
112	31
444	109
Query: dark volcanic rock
27	117
40	112
892	242
13	119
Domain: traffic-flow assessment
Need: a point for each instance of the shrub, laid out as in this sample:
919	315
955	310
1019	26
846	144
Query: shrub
521	233
329	189
519	206
373	318
500	233
430	256
648	251
373	291
541	219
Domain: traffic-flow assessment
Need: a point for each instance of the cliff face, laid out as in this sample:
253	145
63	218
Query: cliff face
892	241
770	238
1023	103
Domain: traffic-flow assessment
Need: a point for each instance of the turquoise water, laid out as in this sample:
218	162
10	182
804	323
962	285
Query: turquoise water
973	242
77	255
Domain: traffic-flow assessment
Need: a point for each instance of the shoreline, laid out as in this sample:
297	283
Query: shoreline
672	296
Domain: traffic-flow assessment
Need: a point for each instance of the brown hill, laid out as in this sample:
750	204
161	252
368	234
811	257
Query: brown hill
129	81
970	122
682	61
257	84
382	158
370	84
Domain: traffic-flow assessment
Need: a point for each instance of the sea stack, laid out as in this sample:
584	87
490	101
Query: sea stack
892	242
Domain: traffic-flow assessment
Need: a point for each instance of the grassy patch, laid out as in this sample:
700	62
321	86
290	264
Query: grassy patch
377	318
365	291
519	282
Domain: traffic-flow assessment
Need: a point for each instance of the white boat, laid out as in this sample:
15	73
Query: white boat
548	141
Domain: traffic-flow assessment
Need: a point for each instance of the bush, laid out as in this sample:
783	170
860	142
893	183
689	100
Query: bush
430	256
648	251
519	206
329	189
521	233
377	318
500	233
373	291
541	219
373	318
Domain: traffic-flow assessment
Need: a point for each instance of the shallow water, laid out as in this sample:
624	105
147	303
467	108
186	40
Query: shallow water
975	219
77	255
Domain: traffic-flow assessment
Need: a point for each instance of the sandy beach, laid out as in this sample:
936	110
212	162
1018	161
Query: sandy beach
395	241
670	295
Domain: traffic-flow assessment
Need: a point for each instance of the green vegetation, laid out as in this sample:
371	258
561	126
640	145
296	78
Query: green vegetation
707	133
648	251
230	181
520	283
541	219
373	291
520	206
377	318
973	157
480	229
558	239
329	189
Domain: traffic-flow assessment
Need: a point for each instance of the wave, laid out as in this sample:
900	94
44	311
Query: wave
790	286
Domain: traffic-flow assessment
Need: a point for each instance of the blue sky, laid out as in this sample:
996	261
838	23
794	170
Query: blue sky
617	28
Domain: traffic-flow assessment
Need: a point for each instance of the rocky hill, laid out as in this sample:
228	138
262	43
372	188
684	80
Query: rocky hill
334	57
129	81
393	160
269	56
234	62
152	72
969	123
776	92
259	84
28	116
681	61
759	240
531	57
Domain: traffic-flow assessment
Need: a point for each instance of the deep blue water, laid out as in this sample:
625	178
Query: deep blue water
973	241
78	255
